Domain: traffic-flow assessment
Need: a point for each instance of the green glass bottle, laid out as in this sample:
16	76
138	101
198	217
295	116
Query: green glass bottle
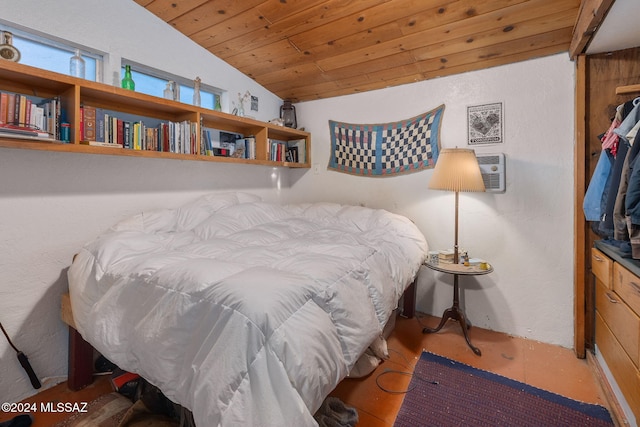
127	81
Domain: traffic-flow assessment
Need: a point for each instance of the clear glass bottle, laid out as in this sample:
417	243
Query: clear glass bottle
196	92
76	65
168	91
176	91
127	81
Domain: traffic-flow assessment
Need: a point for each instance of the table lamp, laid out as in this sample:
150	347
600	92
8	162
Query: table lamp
457	170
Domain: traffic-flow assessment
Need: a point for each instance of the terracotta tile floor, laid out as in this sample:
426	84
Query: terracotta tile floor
542	365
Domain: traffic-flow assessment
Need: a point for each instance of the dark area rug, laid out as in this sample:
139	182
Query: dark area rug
444	392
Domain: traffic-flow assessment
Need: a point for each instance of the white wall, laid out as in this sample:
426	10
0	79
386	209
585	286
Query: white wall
53	203
526	233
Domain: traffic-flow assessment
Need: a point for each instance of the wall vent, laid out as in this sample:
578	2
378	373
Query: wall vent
492	167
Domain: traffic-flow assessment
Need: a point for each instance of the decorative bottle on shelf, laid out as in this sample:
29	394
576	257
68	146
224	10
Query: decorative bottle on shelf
168	91
175	87
127	81
218	106
196	91
76	65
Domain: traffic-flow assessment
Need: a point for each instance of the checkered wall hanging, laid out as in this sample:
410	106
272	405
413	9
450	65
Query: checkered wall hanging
386	149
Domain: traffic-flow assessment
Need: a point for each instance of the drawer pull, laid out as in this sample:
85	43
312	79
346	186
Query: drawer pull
597	258
611	299
635	286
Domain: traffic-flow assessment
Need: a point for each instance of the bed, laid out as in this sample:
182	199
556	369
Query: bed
245	312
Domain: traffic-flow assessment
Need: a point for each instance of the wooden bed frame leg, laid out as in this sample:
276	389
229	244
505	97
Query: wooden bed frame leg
80	361
409	300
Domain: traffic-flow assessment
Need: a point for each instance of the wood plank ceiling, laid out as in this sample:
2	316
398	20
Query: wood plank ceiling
312	49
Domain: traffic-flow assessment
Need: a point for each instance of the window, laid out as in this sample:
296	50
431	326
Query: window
51	55
154	82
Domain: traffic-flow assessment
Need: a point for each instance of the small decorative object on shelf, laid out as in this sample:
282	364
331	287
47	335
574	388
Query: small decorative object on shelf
218	106
175	89
76	65
288	114
7	50
127	81
168	91
239	109
196	92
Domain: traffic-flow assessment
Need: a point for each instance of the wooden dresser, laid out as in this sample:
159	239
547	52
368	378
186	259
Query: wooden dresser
617	318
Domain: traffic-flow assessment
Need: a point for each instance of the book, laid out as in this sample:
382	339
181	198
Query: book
88	129
276	150
119	131
250	147
100	114
37	117
101	144
27	112
208	146
446	256
292	155
4	98
9	129
18	112
11	108
301	148
126	134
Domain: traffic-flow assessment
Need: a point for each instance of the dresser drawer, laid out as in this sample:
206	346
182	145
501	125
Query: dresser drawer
621	320
627	285
621	367
602	267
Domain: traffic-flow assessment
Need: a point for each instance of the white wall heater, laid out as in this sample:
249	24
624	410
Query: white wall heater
492	167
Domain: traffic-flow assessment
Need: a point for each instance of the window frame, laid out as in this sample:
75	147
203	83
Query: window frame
60	44
166	76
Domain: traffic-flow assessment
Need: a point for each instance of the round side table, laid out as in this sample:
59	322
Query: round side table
455	312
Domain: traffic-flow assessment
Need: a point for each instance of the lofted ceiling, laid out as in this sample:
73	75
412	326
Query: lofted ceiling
311	49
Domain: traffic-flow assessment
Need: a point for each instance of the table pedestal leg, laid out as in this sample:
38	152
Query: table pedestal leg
455	313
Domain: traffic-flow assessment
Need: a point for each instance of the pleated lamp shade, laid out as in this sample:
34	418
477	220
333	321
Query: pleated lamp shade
457	170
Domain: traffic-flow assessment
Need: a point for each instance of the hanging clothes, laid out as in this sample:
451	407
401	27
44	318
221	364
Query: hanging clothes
592	204
632	197
624	131
606	228
613	208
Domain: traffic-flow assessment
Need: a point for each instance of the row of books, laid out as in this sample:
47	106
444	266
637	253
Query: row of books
102	128
293	151
29	116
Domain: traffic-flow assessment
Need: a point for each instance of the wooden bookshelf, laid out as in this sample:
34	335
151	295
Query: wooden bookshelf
74	92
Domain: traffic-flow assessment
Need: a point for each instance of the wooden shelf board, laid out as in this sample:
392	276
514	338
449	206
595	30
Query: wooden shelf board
621	90
58	146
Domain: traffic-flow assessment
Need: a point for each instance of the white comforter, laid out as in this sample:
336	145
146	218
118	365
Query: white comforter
245	312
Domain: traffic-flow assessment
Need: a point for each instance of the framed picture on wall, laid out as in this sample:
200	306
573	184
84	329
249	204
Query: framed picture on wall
485	124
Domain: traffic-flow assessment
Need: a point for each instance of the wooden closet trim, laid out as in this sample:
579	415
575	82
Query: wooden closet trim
581	249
